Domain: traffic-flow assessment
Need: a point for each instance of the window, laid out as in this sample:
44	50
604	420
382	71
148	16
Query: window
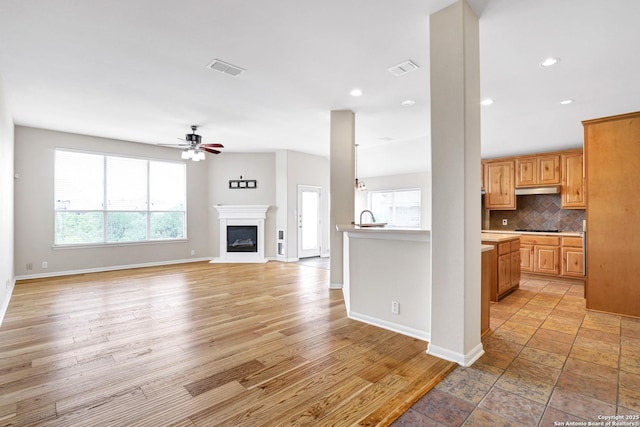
398	208
108	199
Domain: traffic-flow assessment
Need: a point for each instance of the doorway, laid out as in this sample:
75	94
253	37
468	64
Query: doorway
309	221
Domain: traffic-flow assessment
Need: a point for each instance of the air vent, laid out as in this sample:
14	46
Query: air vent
403	68
223	67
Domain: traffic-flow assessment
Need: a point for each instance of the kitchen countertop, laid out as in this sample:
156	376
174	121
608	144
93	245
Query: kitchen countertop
535	233
498	237
380	230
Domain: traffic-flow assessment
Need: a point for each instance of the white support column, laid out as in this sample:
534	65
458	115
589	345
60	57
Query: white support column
342	171
455	154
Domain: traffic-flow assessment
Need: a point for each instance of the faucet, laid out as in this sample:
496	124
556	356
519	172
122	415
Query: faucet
373	218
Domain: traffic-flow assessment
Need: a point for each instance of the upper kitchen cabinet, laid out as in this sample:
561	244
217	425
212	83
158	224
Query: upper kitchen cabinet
612	161
499	185
537	170
573	195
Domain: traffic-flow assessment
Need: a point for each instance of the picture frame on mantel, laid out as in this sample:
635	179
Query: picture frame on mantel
235	184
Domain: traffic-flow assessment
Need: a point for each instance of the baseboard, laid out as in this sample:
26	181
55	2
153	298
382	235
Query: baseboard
452	356
390	326
5	303
237	261
108	268
335	285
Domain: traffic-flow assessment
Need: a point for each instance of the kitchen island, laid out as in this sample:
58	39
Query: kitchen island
506	276
387	278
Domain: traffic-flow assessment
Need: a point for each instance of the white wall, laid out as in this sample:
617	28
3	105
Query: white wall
228	166
34	208
385	267
6	203
420	180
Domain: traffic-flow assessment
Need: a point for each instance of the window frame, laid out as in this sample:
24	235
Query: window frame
394	206
105	210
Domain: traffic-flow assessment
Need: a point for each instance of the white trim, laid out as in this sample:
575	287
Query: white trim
394	327
232	260
5	304
232	215
335	286
452	356
109	268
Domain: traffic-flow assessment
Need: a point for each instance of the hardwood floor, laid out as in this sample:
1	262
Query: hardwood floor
199	345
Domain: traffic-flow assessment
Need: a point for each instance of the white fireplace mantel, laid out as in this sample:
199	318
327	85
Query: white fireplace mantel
241	215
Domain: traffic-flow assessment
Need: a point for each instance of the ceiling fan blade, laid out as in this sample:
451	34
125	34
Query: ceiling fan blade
209	150
212	145
174	145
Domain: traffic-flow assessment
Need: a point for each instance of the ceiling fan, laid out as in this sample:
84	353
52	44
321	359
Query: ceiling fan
194	148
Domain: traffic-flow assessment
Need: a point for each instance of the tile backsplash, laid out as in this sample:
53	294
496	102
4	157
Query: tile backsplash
542	212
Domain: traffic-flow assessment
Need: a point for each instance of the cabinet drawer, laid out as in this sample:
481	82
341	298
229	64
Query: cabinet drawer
572	242
540	240
515	245
504	248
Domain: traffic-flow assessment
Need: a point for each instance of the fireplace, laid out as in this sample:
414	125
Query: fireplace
242	238
241	233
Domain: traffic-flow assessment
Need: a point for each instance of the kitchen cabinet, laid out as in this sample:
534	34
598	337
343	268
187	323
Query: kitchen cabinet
540	254
499	185
537	170
507	265
572	257
573	194
612	162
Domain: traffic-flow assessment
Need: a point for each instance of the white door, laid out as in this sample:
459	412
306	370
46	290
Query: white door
309	231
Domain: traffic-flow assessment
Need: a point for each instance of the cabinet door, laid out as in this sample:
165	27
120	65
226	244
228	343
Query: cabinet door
526	171
504	273
572	262
515	268
548	170
547	259
499	185
526	257
573	194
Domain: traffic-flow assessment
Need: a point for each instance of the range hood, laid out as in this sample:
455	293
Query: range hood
553	189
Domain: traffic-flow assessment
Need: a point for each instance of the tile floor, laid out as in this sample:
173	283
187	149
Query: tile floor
547	362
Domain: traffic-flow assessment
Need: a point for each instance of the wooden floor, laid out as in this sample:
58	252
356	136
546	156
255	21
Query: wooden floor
201	345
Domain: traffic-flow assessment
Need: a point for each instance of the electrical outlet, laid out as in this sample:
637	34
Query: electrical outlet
193	251
395	307
504	221
45	264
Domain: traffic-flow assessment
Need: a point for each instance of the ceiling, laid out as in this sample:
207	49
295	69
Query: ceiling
137	71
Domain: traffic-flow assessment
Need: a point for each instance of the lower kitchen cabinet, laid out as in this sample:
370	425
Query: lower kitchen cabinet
546	259
540	254
507	263
551	255
572	257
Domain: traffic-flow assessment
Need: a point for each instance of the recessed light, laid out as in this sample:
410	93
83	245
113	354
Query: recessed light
408	103
566	101
487	101
549	62
355	92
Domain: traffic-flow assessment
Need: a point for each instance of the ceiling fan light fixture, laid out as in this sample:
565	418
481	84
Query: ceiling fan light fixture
185	155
